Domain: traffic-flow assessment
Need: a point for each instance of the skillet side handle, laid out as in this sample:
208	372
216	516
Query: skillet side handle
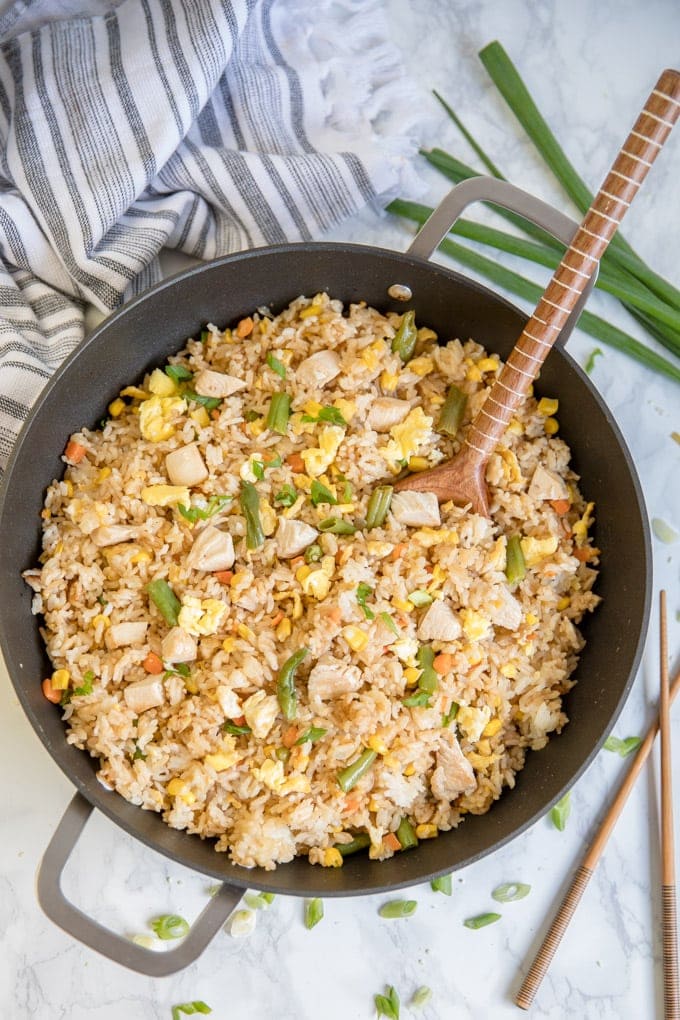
489	189
121	950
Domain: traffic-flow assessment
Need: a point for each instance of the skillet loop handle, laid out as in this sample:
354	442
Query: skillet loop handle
489	189
121	950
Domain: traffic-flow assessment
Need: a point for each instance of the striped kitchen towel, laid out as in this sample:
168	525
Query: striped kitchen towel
198	125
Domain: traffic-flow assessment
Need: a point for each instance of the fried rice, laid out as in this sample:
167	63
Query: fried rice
245	654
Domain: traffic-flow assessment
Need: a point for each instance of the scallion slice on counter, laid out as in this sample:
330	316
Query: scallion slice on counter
169	926
313	912
387	1005
258	901
406	834
452	412
165	600
279	413
276	365
398	908
378	505
420	997
360	842
320	494
621	747
404	340
351	775
509	892
285	684
442	884
561	811
590	361
189	1008
250	504
515	567
481	920
337	526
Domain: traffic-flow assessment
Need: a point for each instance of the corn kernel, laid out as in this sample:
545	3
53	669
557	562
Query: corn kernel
492	727
245	632
410	770
116	407
69	488
201	417
389	381
473	374
101	620
60	679
515	427
317	584
483	747
332	858
356	638
421	366
373	805
302	572
531	619
141	557
418	464
257	427
563	603
547	406
284	629
425	334
403	605
487	365
427	830
377	744
103	473
551	426
436	399
228	644
312	407
310	310
411	674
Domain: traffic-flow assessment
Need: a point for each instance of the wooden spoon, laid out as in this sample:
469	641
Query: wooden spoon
461	479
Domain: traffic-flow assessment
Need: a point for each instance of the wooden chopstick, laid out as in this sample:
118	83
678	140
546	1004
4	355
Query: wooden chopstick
669	922
566	910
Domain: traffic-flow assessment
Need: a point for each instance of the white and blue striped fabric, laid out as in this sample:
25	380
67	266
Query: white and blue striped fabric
168	124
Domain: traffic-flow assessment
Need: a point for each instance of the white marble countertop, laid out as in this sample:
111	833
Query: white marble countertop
591	66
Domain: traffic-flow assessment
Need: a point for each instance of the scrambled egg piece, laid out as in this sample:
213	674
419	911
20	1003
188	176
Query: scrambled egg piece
271	774
408	436
405	649
473	721
155	414
260	711
318	459
226	757
536	549
475	625
580	529
166	495
161	384
201	616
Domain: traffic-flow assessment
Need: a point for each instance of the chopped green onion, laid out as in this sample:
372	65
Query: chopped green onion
419	700
313	912
197	513
138	754
165	600
276	365
398	908
313	734
346	491
250	504
268	897
178	373
337	526
420	598
320	494
509	892
590	363
351	775
622	747
209	403
362	593
279	413
282	754
442	884
235	729
404	340
452	412
387	1005
663	531
515	566
389	623
420	997
205	335
253	415
285	684
378	505
102	601
287	495
328	414
169	926
481	921
360	842
273	462
257	467
406	834
448	717
86	686
189	1008
313	553
561	811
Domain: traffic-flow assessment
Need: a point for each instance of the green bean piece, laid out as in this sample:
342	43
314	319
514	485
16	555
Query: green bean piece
428	680
165	600
406	834
452	412
398	908
404	341
279	413
337	526
441	884
285	684
350	776
360	842
515	567
481	920
250	504
313	912
420	598
378	505
178	373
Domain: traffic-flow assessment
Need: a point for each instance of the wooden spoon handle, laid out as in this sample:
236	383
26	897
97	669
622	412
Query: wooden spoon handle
578	265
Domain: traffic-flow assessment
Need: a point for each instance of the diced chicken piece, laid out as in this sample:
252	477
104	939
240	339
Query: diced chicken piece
208	383
144	694
453	774
293	536
318	369
212	550
439	623
121	634
419	509
547	485
112	534
186	466
331	678
261	710
228	701
178	646
504	609
386	412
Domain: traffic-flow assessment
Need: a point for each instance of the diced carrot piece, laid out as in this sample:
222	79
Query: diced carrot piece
50	693
297	561
443	663
153	663
398	550
290	735
295	461
560	506
74	452
585	553
224	576
391	841
277	617
352	803
244	328
240	720
214	414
